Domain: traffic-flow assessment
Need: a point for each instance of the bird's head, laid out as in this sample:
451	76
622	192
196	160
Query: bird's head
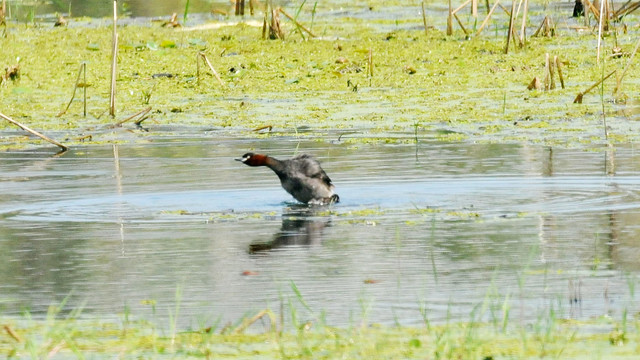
252	159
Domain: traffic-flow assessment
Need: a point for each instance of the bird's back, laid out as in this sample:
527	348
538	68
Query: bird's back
304	178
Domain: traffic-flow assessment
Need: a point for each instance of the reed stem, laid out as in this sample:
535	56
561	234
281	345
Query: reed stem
424	19
578	99
75	87
556	60
114	60
281	10
600	24
140	114
450	20
27	129
486	20
633	54
511	21
523	28
215	73
84	90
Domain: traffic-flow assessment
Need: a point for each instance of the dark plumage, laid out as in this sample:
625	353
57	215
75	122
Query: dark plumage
300	176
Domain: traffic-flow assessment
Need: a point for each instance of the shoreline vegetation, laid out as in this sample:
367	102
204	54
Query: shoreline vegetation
373	78
71	334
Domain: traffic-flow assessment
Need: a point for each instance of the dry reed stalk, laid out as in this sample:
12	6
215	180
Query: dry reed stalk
607	15
523	28
237	7
460	7
585	9
275	30
600	31
511	21
556	60
198	69
486	20
114	60
547	74
370	62
474	9
75	87
270	127
215	73
255	4
593	9
578	99
545	27
3	12
424	19
534	84
450	21
624	72
516	38
10	331
519	7
140	114
624	10
248	322
264	26
505	10
466	33
27	129
281	10
552	83
84	91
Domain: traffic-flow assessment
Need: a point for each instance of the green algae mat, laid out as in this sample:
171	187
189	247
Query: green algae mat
372	76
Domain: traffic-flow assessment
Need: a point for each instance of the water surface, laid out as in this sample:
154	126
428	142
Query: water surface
446	227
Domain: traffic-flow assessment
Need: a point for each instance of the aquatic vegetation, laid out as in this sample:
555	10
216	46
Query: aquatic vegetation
71	335
468	87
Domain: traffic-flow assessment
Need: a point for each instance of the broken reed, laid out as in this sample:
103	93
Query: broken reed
141	115
512	33
271	23
29	130
618	88
78	84
550	68
578	99
204	58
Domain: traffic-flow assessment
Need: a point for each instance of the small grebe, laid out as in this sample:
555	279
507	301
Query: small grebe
301	176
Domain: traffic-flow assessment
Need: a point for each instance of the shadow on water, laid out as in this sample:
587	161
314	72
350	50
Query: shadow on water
441	226
301	226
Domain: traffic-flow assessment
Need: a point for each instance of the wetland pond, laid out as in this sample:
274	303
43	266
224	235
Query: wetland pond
453	231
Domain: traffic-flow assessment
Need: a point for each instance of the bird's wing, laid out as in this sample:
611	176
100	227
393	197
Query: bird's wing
311	168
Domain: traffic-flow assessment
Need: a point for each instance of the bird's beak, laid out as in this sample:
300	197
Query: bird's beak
241	159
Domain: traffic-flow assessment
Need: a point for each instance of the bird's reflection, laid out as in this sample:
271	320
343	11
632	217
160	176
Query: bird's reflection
301	225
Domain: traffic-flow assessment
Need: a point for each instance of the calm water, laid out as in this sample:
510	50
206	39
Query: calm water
448	229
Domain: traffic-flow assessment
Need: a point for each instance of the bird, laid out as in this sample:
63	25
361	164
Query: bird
301	176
